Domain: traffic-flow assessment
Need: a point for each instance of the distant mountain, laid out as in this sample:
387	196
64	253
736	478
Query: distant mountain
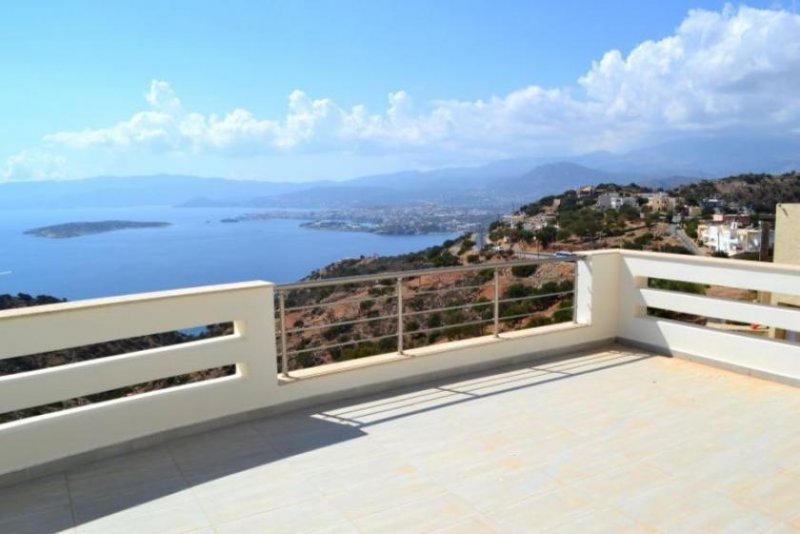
127	191
707	157
499	184
338	196
552	178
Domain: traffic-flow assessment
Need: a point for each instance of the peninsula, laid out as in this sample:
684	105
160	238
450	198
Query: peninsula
78	229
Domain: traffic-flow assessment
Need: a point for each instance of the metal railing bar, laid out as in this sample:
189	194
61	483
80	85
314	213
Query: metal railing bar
340	323
426	330
392	297
400	315
496	299
532	314
443	290
421	272
518	316
335	345
448	308
284	358
336	302
533	297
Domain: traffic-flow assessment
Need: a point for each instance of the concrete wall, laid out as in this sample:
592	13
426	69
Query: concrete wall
255	387
763	357
35	440
611	298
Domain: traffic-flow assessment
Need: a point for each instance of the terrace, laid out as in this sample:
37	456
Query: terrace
582	425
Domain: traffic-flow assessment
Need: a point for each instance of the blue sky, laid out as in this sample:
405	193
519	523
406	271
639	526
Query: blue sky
330	89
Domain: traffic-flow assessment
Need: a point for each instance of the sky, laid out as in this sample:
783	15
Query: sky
300	90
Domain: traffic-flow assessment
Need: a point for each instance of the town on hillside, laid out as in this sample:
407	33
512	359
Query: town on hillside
632	217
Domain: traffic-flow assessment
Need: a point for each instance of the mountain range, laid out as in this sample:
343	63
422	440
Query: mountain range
500	184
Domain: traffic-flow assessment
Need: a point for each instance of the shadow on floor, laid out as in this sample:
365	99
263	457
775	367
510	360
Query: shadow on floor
123	483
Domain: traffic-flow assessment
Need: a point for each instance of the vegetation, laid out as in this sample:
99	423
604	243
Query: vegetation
77	229
681	287
762	192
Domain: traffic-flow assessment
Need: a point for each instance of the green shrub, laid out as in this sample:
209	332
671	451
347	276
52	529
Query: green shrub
524	271
537	321
562	316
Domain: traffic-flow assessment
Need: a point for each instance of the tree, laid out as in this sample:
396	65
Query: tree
547	235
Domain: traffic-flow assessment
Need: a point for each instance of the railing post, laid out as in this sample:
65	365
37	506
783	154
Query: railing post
284	356
496	303
400	315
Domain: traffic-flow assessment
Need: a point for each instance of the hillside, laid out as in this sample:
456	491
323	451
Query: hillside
497	185
761	192
457	305
130	191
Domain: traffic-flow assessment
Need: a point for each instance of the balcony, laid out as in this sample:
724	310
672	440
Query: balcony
582	425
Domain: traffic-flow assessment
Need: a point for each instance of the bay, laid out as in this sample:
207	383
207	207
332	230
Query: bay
196	250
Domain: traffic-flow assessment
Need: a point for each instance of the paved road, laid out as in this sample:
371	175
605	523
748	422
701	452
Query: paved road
687	241
533	255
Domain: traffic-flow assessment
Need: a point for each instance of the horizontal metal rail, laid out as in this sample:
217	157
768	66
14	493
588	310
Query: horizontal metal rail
533	297
529	314
446	326
400	287
337	302
444	290
340	323
307	284
336	345
448	308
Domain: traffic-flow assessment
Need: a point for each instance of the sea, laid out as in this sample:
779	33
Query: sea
196	250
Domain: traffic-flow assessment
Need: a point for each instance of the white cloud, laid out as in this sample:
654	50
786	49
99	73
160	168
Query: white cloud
28	165
737	68
719	69
162	97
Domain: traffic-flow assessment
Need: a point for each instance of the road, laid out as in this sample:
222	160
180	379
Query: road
687	241
532	255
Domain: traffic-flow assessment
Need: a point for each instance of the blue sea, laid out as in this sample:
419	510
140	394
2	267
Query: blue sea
196	250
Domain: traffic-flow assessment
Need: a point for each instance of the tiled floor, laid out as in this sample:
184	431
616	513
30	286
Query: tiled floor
610	441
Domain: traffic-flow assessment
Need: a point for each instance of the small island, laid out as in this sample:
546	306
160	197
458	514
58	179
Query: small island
78	229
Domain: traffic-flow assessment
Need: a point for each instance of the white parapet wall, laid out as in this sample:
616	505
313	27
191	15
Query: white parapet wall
610	299
255	386
32	441
758	356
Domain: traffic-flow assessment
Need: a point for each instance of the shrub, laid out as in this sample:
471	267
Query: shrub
524	271
534	322
435	320
515	291
562	316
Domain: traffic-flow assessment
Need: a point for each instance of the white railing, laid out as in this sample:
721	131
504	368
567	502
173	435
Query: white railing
483	312
763	356
610	298
26	442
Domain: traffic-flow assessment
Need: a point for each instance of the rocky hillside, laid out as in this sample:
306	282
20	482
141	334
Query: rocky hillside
437	308
759	191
